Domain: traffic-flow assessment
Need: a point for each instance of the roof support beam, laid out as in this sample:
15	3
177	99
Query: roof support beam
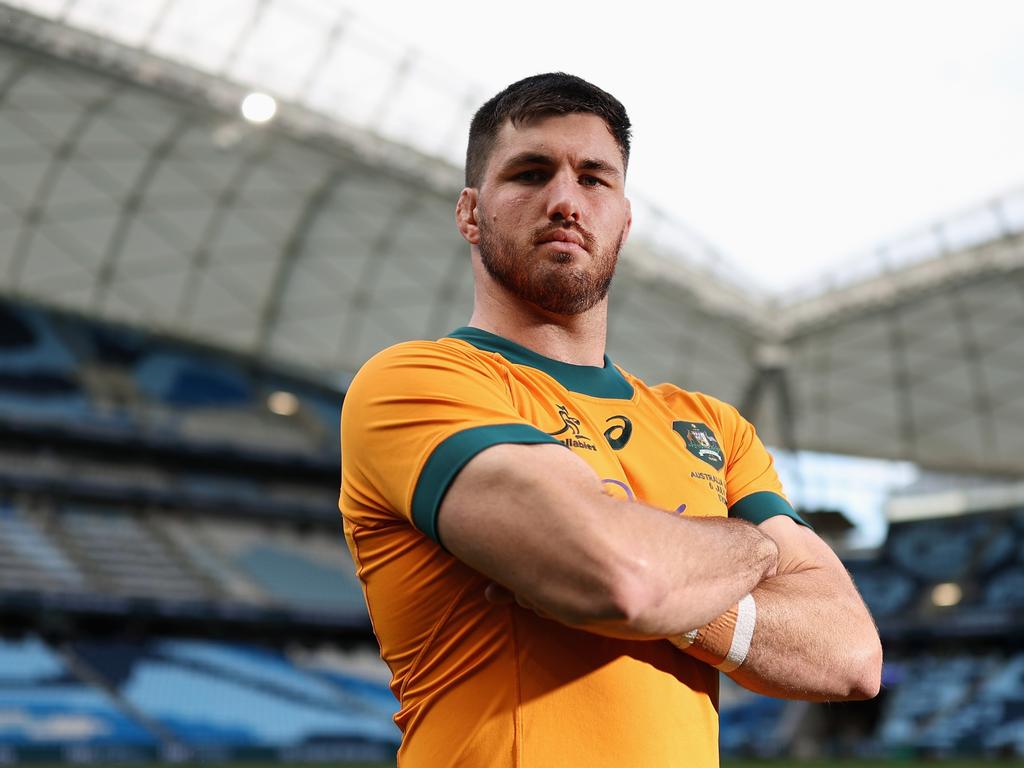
902	382
247	164
439	321
132	203
982	396
310	211
61	157
373	264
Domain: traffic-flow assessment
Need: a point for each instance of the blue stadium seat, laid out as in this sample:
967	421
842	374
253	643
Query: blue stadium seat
188	381
28	343
748	723
299	580
248	663
43	705
1006	588
221	695
28	660
30	559
931	550
884	588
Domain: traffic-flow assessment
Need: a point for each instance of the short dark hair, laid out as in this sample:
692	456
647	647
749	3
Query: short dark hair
555	93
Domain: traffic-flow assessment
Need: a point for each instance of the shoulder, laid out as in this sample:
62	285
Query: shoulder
410	374
421	357
421	351
698	405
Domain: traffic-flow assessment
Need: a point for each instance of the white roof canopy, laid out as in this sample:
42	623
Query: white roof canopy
131	189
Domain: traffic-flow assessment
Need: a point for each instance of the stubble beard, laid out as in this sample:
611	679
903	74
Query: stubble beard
553	284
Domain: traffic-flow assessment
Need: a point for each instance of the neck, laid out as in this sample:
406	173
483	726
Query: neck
576	339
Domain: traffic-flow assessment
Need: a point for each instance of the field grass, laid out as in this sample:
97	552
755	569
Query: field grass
976	763
960	763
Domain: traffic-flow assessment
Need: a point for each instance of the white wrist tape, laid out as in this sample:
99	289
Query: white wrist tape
746	618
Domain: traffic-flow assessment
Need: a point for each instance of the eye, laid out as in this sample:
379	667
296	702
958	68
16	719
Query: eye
591	181
531	176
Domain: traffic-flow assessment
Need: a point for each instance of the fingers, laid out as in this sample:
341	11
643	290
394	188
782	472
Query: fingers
497	594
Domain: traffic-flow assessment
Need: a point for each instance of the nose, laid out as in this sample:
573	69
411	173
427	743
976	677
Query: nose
563	198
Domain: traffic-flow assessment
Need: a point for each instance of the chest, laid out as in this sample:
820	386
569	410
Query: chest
640	449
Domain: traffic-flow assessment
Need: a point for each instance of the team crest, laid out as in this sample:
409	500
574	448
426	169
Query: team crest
701	442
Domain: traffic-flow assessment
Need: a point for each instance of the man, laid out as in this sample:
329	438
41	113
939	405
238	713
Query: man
554	553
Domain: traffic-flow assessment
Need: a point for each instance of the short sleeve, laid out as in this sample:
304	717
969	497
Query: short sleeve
752	487
412	418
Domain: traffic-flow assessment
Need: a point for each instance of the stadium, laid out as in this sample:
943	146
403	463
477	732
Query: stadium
186	291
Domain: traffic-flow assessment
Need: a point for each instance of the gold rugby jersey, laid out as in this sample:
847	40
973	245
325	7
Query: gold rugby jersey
496	686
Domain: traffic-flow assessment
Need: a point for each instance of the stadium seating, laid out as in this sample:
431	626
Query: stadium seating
960	704
884	588
749	724
207	694
123	557
1006	588
30	559
307	570
42	704
208	501
89	377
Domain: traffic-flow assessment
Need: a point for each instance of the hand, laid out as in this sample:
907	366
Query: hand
497	594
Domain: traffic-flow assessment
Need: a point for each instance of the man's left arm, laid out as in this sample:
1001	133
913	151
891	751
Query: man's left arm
813	637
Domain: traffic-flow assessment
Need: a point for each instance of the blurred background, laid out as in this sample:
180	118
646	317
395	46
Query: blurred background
212	213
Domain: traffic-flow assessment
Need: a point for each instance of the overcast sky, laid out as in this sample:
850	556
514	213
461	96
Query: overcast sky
792	135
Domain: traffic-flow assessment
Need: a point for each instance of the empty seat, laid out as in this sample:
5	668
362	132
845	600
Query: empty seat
43	705
30	559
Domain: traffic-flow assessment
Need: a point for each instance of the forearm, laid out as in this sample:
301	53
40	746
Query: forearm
813	637
535	520
684	571
728	558
810	642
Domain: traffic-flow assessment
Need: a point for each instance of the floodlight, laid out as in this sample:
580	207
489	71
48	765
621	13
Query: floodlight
946	594
259	107
283	403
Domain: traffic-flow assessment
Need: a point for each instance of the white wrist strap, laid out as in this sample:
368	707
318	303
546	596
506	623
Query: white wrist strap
746	618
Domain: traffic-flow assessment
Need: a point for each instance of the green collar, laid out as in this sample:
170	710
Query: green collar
585	379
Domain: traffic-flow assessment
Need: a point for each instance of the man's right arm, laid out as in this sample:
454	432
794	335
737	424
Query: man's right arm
534	519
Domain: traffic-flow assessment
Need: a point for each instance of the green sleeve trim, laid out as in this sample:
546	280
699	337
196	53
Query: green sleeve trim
758	507
451	456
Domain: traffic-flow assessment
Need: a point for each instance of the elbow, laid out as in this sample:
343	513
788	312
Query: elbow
864	679
618	595
630	596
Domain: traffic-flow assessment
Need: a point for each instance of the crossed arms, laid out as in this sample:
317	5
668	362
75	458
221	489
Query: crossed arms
533	518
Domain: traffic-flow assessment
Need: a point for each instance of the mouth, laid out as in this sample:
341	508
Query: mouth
564	240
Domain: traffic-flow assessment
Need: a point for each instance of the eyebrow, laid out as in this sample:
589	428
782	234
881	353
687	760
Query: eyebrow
538	158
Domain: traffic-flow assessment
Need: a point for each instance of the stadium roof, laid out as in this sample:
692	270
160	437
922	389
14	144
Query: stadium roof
131	189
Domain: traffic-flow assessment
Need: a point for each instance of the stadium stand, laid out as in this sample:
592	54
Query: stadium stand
215	694
30	559
45	708
154	486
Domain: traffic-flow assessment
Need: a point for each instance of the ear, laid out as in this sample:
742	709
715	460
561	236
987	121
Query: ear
466	215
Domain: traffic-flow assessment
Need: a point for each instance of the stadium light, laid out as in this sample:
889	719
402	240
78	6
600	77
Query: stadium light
947	594
259	107
283	403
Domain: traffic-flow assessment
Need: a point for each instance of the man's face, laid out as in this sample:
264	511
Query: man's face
552	212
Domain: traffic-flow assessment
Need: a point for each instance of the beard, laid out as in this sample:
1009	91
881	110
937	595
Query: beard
552	283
